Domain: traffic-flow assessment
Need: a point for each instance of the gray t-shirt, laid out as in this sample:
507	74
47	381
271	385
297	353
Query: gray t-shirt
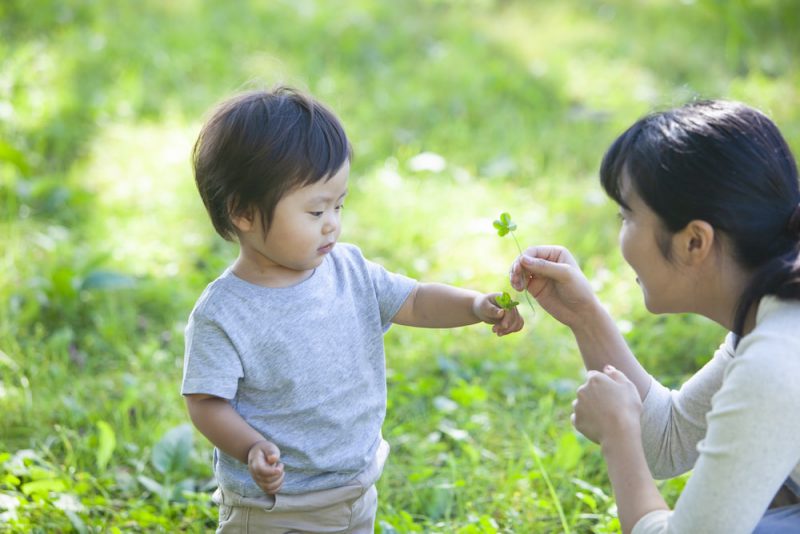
303	365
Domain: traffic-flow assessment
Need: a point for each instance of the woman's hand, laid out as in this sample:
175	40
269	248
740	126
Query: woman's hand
552	276
607	407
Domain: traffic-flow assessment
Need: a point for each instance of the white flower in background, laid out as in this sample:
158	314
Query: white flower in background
68	503
427	161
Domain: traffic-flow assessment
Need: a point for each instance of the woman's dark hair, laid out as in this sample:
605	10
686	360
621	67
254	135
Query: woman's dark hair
258	146
727	164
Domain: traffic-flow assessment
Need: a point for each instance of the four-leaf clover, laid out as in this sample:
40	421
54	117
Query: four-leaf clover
504	225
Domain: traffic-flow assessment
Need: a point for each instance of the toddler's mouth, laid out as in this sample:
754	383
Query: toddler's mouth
327	248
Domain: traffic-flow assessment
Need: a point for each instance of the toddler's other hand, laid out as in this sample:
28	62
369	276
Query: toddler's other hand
263	463
503	321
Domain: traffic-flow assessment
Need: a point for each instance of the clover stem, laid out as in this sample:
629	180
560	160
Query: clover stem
525	291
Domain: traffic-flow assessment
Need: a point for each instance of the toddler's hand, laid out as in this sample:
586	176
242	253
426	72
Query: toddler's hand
504	321
262	462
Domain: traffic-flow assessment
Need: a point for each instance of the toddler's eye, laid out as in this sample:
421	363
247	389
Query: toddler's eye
315	213
339	207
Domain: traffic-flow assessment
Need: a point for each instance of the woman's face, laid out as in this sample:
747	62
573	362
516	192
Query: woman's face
659	279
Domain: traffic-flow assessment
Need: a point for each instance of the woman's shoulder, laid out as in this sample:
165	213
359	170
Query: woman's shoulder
778	317
778	324
771	352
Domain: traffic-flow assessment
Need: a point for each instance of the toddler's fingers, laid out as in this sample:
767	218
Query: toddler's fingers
257	462
271	452
272	489
270	486
488	311
507	322
269	477
274	472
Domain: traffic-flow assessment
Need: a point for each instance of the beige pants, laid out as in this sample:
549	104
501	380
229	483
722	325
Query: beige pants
347	509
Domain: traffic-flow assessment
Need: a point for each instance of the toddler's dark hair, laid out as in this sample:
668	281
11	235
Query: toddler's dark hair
724	163
260	145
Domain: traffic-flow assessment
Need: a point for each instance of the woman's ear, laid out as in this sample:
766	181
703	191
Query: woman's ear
695	242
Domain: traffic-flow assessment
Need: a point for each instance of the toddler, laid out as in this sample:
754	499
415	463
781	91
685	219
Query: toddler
284	366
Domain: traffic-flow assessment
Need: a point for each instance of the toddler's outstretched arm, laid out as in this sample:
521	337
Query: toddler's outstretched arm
216	419
432	305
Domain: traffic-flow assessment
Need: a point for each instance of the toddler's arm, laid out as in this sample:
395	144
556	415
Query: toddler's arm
216	419
441	306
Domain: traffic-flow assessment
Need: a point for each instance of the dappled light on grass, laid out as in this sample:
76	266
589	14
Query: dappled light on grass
148	213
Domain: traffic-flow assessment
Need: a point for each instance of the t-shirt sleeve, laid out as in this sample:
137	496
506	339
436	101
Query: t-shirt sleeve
391	290
211	363
751	445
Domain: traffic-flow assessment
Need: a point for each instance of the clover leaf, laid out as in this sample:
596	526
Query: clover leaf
505	301
504	224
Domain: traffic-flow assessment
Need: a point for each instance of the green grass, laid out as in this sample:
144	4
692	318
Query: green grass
106	244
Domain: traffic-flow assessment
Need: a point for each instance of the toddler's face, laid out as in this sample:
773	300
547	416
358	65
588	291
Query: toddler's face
306	224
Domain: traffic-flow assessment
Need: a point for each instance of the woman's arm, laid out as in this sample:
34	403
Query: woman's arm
749	446
607	411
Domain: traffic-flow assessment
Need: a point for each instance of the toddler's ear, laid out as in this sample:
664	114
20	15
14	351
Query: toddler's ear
244	221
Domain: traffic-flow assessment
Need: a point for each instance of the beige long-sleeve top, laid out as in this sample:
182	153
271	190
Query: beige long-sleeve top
736	423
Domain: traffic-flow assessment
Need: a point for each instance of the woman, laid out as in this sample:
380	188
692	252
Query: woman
710	207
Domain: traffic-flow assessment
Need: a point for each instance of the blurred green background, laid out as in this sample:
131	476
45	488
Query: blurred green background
457	110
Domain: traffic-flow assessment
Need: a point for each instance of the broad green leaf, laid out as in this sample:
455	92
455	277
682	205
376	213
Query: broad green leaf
77	522
171	453
36	472
107	280
468	394
15	157
43	486
151	484
106	442
11	480
568	453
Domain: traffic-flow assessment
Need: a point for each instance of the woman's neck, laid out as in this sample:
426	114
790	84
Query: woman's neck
719	293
